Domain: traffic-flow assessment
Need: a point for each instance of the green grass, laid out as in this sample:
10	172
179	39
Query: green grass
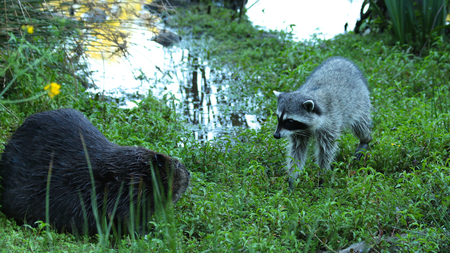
239	199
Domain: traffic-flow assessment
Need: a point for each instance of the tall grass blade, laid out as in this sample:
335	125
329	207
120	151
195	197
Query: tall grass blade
93	194
47	200
111	219
396	11
433	15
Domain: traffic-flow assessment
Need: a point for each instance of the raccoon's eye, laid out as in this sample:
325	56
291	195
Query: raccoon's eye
291	124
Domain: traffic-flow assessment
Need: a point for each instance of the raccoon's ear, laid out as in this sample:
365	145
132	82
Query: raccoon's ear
308	105
277	93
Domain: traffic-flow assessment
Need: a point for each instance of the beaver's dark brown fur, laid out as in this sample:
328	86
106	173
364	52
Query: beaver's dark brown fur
54	139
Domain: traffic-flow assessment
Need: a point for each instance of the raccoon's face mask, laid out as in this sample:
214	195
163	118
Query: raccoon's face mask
289	123
287	126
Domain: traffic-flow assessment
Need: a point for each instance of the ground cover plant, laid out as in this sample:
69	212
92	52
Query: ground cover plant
239	199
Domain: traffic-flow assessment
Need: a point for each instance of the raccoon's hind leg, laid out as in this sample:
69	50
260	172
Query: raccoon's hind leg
362	147
297	156
362	130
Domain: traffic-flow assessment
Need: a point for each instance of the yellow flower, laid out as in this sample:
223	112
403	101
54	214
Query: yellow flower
392	144
30	29
53	89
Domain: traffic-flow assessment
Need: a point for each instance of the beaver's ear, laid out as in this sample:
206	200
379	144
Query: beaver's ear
160	160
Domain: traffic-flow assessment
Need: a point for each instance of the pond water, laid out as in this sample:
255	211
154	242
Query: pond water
201	92
323	17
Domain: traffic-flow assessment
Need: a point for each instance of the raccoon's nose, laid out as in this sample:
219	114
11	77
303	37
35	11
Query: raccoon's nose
277	135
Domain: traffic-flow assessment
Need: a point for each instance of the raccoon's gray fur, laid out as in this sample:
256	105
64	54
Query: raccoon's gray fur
333	98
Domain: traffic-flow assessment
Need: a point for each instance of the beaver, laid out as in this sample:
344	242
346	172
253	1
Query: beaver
63	145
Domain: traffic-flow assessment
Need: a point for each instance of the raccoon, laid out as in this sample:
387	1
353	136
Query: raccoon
335	97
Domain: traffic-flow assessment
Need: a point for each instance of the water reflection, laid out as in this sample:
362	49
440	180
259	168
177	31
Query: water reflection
203	99
202	93
152	62
108	23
